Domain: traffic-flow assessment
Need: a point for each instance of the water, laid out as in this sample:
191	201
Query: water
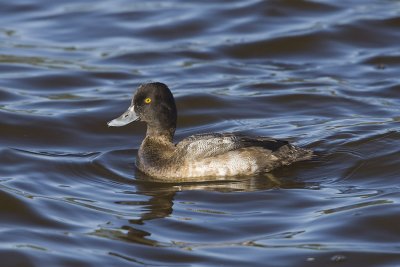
323	74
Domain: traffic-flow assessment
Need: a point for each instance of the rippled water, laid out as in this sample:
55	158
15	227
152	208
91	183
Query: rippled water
323	74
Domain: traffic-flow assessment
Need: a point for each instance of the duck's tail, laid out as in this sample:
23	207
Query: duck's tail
290	153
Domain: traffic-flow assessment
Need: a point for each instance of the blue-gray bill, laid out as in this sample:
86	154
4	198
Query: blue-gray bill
128	117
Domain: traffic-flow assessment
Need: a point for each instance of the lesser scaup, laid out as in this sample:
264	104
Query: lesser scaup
202	155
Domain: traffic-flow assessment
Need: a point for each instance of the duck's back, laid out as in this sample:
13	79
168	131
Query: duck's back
215	144
215	155
231	154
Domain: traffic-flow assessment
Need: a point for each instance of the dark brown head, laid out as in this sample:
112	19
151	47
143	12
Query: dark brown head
154	104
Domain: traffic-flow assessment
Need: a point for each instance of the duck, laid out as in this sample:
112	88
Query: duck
201	155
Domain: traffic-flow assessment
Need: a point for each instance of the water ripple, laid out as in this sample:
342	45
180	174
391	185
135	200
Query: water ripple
321	74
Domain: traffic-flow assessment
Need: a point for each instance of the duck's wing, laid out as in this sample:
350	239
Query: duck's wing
208	145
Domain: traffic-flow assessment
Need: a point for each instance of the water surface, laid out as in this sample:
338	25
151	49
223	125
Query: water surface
322	74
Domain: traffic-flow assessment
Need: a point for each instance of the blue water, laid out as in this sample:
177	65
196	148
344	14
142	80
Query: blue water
322	74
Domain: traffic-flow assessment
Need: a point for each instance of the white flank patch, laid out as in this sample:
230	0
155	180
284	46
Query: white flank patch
232	163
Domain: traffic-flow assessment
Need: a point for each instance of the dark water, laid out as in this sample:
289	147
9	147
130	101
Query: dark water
323	74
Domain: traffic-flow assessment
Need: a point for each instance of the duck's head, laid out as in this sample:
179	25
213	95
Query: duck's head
154	104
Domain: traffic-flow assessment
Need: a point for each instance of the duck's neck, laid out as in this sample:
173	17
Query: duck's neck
155	151
160	132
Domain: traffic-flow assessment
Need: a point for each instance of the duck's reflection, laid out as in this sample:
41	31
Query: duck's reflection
161	201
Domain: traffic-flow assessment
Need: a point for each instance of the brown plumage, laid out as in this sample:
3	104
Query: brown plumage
198	156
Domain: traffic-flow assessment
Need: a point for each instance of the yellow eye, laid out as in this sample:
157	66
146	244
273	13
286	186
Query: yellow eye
147	100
